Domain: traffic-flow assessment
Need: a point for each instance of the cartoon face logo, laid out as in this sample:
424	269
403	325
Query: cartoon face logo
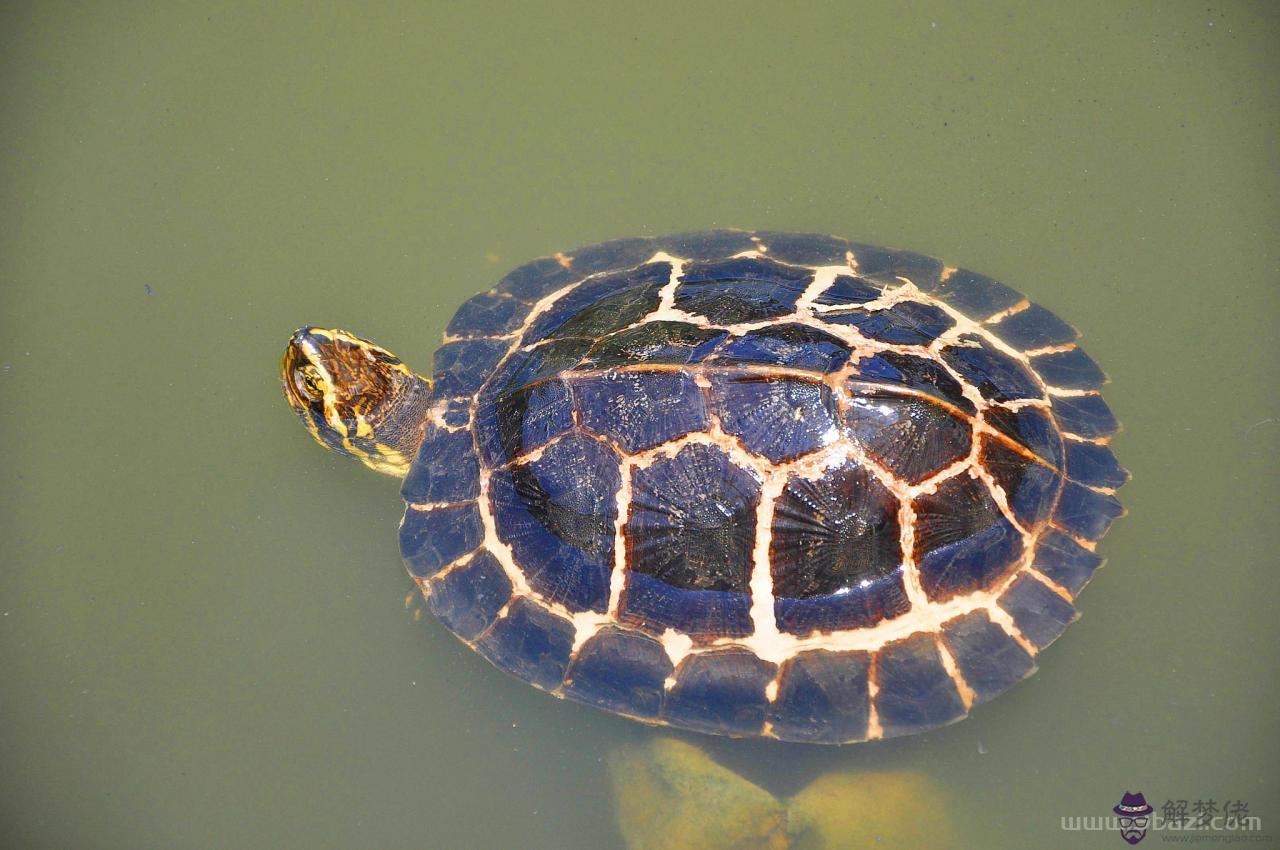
1134	815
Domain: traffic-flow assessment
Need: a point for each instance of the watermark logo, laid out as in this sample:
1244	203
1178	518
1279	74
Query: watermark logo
1133	815
1175	821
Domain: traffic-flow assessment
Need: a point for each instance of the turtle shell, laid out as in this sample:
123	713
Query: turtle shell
760	483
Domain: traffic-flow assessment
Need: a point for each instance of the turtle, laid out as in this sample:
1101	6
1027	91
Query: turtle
743	483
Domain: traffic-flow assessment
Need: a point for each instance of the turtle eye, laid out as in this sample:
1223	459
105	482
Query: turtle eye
307	379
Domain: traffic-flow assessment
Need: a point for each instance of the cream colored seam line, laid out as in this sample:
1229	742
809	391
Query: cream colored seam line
885	631
436	412
618	576
874	727
585	623
1051	349
997	318
949	664
667	295
911	581
777	647
763	621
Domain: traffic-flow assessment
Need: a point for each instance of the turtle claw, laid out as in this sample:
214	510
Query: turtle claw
415	603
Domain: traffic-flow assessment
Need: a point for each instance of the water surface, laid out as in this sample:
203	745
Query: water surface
203	638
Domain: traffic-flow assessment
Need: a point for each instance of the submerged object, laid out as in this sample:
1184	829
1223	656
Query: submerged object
669	793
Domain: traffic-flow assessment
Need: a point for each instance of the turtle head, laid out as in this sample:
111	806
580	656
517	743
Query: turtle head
355	397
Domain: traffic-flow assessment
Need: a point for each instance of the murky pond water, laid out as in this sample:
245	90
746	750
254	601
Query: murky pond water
203	639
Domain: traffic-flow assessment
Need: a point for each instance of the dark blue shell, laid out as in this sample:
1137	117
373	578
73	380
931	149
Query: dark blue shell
761	484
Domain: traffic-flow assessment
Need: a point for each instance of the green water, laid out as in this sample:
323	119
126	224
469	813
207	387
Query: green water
203	641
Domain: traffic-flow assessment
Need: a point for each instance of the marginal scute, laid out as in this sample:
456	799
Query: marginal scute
1094	465
617	254
835	554
822	698
488	314
1064	561
1072	370
468	598
432	539
529	642
462	366
745	289
887	264
721	691
446	470
535	280
904	323
987	657
1039	614
914	691
912	437
1034	327
620	670
1085	416
1084	512
557	515
976	295
806	249
963	542
779	418
640	410
706	244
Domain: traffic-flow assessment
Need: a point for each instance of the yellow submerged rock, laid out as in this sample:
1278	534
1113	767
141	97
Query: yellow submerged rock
884	810
670	795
